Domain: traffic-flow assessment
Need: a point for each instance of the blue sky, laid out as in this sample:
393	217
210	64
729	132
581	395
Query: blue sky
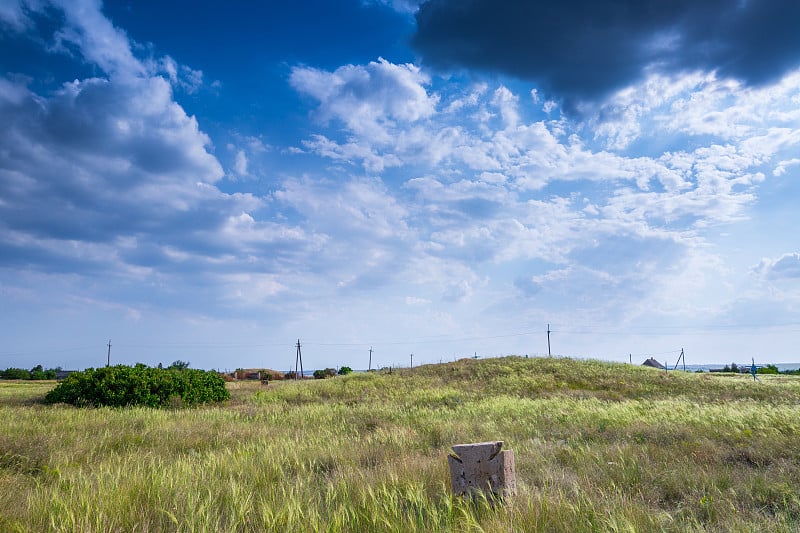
442	179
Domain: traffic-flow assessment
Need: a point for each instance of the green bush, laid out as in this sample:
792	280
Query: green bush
121	386
36	373
15	373
769	369
345	370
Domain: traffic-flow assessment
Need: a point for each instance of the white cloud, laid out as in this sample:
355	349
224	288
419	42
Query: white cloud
15	15
696	105
507	103
251	289
402	6
109	178
99	42
470	100
496	190
352	152
782	166
784	267
240	163
371	99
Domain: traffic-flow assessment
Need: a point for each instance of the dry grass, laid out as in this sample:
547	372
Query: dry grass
599	447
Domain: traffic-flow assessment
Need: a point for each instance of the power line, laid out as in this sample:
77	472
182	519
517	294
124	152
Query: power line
660	330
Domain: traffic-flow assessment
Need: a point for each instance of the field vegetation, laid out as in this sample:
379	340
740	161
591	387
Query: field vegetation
126	386
598	446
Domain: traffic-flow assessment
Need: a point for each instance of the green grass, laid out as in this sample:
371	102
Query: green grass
598	447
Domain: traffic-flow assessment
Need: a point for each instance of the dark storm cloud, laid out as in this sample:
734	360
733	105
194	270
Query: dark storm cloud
584	49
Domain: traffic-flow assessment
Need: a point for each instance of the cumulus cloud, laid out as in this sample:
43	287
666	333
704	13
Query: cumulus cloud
584	50
369	99
560	206
98	143
784	267
108	177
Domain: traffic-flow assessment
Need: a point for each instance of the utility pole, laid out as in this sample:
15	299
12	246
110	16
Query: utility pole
412	360
681	356
548	341
370	359
108	360
298	359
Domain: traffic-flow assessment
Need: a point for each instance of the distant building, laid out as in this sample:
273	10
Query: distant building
653	363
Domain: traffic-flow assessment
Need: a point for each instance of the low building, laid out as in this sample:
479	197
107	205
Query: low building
654	364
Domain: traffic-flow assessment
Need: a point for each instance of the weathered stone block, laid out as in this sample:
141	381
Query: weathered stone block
482	467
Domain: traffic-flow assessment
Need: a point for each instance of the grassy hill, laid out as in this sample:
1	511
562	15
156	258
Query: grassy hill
598	446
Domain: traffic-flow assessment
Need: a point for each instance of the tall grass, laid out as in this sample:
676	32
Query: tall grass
599	447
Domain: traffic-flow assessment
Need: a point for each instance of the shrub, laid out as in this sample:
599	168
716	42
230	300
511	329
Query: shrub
270	375
319	374
345	370
121	386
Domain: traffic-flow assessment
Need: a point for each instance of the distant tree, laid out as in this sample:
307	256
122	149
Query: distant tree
345	370
37	372
15	373
768	369
319	374
734	367
330	372
179	365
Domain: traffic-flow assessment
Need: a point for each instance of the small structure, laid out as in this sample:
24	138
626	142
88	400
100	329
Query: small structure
653	363
482	467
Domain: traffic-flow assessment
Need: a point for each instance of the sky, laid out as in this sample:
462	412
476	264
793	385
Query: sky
445	179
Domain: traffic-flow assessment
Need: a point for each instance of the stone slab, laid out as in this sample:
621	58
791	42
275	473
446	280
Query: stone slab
482	467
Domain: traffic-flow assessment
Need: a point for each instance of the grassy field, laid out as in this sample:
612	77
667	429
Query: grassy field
599	447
